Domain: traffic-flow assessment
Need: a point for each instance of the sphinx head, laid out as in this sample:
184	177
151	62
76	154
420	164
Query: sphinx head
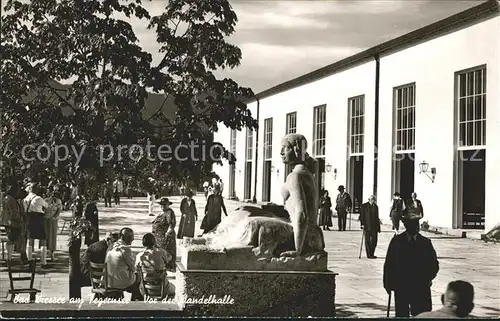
293	149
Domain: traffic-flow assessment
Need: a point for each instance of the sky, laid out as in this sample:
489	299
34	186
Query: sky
284	39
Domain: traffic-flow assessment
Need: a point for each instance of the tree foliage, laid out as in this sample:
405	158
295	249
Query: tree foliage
93	45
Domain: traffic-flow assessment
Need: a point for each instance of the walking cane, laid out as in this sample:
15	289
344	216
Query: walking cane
361	245
389	304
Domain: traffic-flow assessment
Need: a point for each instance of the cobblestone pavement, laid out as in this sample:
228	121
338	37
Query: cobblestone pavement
359	281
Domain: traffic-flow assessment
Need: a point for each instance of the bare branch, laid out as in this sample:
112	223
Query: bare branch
159	109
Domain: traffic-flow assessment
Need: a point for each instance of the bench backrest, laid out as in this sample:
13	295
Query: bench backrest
99	275
29	274
3	233
152	282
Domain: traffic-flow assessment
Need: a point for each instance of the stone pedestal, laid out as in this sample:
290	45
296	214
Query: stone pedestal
234	282
202	257
226	293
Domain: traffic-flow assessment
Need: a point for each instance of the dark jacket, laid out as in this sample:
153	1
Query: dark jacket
369	217
344	202
397	208
408	267
96	253
92	215
419	209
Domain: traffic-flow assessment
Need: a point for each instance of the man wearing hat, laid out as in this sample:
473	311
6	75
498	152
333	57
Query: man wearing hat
344	204
410	266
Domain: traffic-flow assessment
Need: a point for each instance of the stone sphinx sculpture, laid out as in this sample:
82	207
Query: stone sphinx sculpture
273	235
270	261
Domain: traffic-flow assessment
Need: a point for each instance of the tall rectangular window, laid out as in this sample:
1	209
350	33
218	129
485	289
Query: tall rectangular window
471	100
232	145
356	124
404	101
268	138
249	149
232	141
319	131
291	123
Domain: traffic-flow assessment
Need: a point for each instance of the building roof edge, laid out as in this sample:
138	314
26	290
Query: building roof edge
487	8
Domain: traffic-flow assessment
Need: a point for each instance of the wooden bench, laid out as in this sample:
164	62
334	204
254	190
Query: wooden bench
15	291
154	287
99	280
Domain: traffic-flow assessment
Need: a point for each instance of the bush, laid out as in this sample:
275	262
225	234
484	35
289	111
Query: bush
424	226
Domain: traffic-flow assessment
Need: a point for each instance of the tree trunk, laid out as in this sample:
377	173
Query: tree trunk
75	289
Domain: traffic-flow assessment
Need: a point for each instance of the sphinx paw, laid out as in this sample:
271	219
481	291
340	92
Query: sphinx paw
256	251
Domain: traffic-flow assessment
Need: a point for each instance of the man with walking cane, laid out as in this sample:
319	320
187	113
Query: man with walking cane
410	266
370	224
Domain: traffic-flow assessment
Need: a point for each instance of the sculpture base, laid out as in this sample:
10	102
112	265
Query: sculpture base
255	293
203	257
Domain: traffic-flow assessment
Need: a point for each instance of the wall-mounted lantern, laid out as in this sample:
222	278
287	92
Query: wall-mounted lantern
329	169
424	168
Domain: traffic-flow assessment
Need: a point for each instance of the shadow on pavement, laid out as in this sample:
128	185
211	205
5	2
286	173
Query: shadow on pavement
346	310
60	265
446	237
492	309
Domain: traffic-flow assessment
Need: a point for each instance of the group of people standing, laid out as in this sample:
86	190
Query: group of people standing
401	207
209	187
411	263
113	190
343	206
28	217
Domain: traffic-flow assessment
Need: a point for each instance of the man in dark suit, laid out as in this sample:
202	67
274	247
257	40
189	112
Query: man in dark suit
410	266
370	223
96	253
344	205
458	302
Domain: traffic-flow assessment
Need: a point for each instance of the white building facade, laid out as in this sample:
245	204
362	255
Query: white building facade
429	100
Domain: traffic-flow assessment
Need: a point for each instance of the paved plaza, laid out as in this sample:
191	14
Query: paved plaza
359	281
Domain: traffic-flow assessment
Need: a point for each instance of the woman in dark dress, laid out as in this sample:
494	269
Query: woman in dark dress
397	210
213	208
189	216
163	230
92	215
325	212
78	226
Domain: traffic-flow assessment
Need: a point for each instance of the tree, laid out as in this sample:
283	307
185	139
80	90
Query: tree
93	44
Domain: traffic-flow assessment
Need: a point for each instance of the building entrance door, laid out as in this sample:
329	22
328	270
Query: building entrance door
232	180
320	175
473	169
405	175
266	182
248	180
355	182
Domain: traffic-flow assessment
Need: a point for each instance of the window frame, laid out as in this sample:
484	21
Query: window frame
404	132
319	131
